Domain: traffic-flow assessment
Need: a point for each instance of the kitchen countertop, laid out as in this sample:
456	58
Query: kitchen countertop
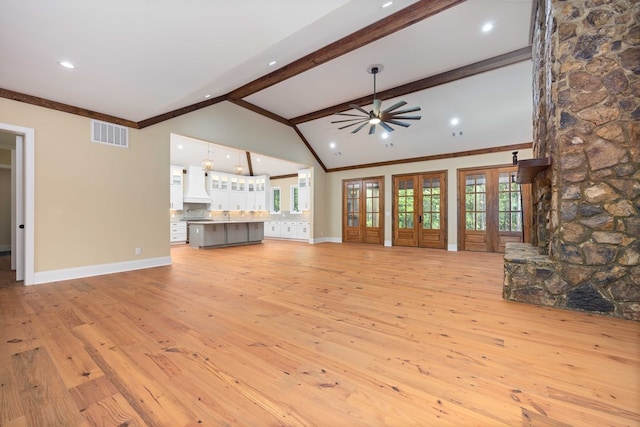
222	221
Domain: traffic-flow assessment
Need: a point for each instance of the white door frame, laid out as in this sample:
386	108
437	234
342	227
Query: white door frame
25	171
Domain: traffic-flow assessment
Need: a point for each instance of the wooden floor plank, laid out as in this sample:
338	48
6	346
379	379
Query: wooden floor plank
45	400
287	333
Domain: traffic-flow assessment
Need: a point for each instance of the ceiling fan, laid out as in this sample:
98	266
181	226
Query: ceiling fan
378	116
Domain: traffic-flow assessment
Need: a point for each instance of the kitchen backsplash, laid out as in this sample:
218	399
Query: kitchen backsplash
199	211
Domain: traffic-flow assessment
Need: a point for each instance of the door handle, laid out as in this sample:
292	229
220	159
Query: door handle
420	219
21	226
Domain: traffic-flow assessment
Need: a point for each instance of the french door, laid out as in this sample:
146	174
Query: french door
419	213
363	210
491	209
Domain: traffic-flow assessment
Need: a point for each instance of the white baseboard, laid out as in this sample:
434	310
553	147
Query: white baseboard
97	270
388	243
5	248
452	248
326	240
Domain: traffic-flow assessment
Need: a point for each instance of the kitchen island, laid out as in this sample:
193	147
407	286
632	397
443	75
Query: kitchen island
222	233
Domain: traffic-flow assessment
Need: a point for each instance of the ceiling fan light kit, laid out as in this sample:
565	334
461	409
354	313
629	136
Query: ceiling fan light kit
377	116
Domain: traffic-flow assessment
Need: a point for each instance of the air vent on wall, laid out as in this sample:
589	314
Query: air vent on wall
107	133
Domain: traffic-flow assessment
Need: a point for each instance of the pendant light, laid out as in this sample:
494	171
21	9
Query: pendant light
238	169
207	164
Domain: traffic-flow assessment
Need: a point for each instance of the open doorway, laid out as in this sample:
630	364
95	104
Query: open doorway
20	142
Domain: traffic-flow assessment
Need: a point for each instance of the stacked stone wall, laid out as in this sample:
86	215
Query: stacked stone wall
587	119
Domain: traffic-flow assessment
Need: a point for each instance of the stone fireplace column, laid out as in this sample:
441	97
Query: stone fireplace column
587	120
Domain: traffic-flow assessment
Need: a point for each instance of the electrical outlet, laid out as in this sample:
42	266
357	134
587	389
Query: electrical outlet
138	251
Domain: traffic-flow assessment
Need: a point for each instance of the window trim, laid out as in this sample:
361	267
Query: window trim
294	192
272	201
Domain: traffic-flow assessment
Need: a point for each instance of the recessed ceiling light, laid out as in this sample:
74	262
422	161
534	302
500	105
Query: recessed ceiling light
180	147
207	96
455	121
332	145
272	63
385	135
387	4
487	27
228	156
258	159
67	64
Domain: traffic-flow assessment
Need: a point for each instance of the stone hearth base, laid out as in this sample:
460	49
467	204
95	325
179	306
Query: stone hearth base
535	279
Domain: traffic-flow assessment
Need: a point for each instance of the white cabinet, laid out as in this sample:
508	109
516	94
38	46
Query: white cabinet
176	188
303	230
178	232
238	193
288	230
272	229
219	191
304	189
257	187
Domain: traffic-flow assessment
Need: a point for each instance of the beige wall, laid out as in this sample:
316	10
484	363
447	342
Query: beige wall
94	204
334	186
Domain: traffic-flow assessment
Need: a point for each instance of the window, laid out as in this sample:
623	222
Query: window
510	206
294	207
275	199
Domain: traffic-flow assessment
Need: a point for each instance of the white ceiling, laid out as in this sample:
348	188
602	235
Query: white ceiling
137	59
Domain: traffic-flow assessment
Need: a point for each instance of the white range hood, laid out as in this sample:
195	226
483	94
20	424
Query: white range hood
195	191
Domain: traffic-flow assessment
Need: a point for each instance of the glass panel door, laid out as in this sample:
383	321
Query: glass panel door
353	205
363	208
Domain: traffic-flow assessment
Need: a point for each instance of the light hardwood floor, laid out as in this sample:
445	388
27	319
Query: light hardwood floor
292	334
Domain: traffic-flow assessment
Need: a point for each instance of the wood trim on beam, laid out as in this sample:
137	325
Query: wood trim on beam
509	148
180	111
66	108
291	175
382	28
248	154
490	64
252	107
315	155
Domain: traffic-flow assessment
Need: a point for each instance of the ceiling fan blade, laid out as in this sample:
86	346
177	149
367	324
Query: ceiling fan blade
386	127
394	106
372	130
360	127
350	120
352	124
405	118
350	114
357	107
408	110
395	122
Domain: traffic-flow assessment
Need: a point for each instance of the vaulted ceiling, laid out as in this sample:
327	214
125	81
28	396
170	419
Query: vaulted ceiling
138	63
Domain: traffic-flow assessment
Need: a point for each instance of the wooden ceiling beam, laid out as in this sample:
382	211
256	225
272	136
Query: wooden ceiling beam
66	108
382	28
447	77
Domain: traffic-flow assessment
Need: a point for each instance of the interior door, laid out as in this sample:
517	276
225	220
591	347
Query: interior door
491	209
420	210
18	214
363	210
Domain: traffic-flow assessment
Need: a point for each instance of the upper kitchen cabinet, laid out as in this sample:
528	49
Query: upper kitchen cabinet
219	191
257	188
238	193
176	188
304	189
